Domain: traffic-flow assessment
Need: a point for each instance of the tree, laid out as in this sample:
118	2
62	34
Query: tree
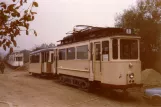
51	45
14	20
43	46
145	19
1	57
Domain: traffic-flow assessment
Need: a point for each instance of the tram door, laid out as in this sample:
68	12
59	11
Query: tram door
42	61
97	61
52	62
45	65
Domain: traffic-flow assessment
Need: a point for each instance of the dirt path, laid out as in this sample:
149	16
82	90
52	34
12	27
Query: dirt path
24	90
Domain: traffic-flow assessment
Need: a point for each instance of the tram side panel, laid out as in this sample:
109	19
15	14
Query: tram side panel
35	63
73	60
77	68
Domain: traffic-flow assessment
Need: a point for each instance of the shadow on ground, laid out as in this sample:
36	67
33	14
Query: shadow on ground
108	94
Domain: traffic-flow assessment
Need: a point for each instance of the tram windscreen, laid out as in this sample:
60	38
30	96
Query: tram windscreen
128	49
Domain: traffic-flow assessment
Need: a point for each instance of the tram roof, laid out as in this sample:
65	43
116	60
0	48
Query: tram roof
41	50
90	32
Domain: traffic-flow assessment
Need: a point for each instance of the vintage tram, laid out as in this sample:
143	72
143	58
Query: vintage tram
15	59
41	62
96	56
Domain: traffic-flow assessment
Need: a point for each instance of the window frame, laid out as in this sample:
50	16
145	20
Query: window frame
77	52
118	55
32	59
130	49
74	53
108	50
65	50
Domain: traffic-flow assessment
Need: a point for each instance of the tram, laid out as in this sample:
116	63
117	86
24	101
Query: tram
15	59
96	56
42	62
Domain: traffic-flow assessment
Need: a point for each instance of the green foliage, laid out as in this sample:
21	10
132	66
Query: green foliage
145	18
35	4
43	46
14	20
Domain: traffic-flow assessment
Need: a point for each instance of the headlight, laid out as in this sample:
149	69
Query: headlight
131	76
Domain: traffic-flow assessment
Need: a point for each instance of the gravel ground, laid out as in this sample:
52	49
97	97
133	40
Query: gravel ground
24	90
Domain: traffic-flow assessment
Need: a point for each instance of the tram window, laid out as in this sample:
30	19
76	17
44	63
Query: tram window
35	58
46	56
42	57
18	58
45	53
105	50
97	52
71	53
82	52
115	48
91	50
62	54
128	49
52	57
30	59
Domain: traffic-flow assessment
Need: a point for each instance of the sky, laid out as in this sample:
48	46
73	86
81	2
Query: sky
56	17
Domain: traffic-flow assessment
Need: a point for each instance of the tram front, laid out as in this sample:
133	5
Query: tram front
124	67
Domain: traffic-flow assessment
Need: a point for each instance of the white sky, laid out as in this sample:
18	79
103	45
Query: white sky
56	17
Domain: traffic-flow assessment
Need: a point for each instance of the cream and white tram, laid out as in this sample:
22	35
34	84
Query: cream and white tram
16	59
42	62
107	57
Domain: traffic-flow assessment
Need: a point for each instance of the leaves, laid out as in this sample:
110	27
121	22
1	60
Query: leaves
21	2
18	7
2	3
26	25
11	50
14	42
35	33
18	14
4	6
26	11
27	32
8	44
14	14
10	7
4	40
4	47
13	22
33	13
33	17
0	43
35	4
